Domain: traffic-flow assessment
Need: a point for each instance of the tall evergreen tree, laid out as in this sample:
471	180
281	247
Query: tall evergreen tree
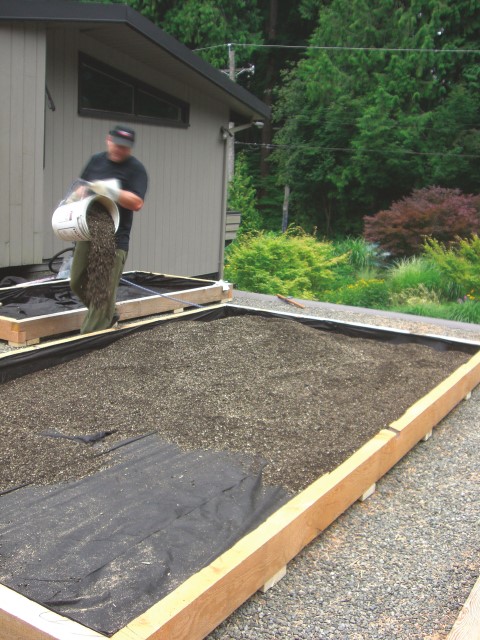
208	26
373	109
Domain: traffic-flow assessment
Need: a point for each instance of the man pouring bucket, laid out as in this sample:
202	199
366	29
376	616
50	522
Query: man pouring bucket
102	170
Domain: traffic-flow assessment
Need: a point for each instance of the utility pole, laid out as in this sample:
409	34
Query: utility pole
233	74
286	198
231	138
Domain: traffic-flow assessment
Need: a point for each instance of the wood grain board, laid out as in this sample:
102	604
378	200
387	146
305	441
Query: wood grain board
467	625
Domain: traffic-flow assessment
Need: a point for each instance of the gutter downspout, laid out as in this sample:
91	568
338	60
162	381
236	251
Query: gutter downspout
223	214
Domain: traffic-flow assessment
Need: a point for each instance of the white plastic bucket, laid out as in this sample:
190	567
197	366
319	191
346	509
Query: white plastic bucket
69	221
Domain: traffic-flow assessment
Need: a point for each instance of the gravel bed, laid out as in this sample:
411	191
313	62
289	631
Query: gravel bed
279	391
399	565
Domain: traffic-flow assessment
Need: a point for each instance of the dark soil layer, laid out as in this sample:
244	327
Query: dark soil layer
299	398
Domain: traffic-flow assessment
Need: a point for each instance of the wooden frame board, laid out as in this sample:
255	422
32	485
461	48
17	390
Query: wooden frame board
467	625
21	333
207	598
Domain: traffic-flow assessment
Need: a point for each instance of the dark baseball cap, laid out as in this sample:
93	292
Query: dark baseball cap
123	136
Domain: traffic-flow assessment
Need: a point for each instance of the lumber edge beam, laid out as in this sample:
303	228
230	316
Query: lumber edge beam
420	418
467	625
204	600
79	337
21	333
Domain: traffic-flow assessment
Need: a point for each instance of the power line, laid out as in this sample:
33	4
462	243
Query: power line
460	125
379	151
338	48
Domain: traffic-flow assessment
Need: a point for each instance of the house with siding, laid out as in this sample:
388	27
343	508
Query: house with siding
68	73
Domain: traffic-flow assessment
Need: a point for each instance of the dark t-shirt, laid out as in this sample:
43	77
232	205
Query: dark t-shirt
132	177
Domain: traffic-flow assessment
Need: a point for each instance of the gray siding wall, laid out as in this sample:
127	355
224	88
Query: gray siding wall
179	229
22	100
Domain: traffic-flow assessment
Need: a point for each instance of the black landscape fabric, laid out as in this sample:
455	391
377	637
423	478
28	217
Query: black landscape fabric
104	549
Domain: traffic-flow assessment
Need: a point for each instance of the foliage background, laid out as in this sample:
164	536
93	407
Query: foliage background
371	99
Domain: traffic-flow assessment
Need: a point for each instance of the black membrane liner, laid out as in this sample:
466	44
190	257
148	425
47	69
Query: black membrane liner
55	296
103	549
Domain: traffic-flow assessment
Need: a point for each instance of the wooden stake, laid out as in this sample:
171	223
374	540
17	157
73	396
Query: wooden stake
290	301
274	579
370	491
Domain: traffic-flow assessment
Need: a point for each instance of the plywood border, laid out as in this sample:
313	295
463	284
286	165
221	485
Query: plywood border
207	598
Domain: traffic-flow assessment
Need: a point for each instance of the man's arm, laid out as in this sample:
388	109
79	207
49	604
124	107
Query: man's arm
129	200
111	189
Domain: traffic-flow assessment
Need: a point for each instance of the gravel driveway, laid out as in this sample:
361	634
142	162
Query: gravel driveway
401	564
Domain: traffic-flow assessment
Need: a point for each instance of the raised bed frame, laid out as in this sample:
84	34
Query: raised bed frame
259	559
22	333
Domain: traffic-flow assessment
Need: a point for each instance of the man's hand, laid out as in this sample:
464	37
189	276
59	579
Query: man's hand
108	188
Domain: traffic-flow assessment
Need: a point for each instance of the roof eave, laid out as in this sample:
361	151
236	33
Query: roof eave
61	11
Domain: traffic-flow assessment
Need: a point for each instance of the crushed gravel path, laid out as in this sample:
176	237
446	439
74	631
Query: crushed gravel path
401	564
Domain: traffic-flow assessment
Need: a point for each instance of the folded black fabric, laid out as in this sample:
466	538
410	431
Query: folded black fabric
104	549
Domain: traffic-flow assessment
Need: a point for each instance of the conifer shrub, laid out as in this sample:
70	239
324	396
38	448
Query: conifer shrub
433	212
292	263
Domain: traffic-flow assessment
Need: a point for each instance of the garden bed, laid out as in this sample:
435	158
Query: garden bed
306	401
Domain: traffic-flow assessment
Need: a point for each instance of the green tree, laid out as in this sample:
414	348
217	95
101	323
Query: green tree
362	126
242	198
207	24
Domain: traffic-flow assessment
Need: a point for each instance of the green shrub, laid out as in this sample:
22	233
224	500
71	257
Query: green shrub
360	260
458	265
468	311
372	294
412	296
413	272
292	264
461	312
362	255
297	264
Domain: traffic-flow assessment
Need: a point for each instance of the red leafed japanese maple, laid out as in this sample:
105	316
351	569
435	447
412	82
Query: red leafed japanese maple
435	212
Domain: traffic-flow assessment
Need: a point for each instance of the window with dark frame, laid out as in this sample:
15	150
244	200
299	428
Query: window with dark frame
106	92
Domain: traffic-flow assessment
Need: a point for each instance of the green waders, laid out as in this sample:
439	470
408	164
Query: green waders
100	317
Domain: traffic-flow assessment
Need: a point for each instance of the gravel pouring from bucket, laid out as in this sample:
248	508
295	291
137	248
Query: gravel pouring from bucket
70	218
